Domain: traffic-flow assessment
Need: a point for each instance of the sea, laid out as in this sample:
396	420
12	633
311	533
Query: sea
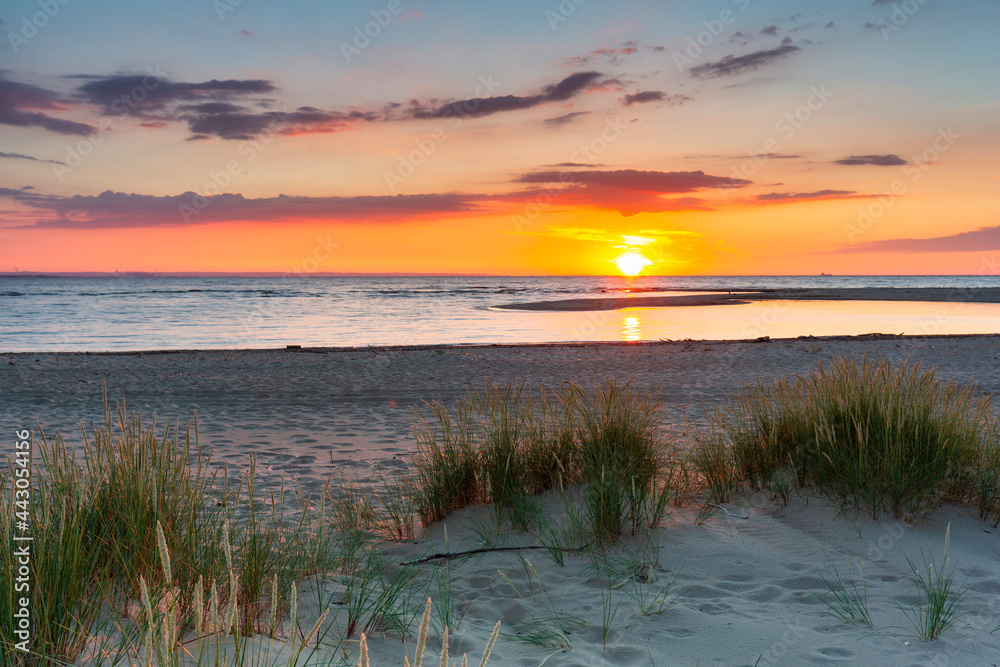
137	312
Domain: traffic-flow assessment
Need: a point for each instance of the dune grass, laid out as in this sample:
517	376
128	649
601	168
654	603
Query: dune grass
622	455
504	445
940	600
847	599
136	526
141	548
877	436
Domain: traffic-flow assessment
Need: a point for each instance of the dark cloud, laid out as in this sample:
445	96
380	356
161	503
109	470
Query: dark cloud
149	95
984	238
18	156
212	107
566	89
829	25
240	109
770	30
654	96
574	164
890	160
121	210
734	65
20	105
304	120
799	196
565	118
644	96
740	37
223	109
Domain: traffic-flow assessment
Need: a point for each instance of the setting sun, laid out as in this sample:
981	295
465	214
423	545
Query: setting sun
631	263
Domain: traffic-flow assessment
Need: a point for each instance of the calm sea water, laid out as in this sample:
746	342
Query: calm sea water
152	312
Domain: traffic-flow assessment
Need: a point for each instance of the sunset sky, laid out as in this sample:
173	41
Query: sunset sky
725	137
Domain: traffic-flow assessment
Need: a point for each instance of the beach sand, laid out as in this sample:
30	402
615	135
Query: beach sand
636	300
747	588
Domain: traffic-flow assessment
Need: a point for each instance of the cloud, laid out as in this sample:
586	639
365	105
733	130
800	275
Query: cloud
304	120
212	107
227	109
240	109
18	156
632	179
654	96
630	191
876	160
150	96
565	118
574	164
984	238
20	105
475	107
800	196
122	210
209	108
770	30
766	156
611	55
627	191
649	237
735	65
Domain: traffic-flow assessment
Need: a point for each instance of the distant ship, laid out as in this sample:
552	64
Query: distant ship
826	274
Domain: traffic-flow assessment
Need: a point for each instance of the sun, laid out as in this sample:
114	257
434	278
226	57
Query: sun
631	263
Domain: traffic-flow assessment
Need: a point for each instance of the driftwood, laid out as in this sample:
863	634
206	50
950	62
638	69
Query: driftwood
473	552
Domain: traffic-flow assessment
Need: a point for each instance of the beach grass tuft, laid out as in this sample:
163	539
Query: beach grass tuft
143	552
504	445
940	600
847	600
877	436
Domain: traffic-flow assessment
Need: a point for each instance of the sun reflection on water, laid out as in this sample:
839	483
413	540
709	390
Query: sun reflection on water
630	329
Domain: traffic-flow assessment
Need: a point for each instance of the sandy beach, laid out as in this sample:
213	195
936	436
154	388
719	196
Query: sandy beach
746	587
734	297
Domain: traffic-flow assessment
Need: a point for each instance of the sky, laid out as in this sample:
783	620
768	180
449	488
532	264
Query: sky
542	137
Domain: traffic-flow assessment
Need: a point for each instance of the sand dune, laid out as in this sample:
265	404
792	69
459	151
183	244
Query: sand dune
747	589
